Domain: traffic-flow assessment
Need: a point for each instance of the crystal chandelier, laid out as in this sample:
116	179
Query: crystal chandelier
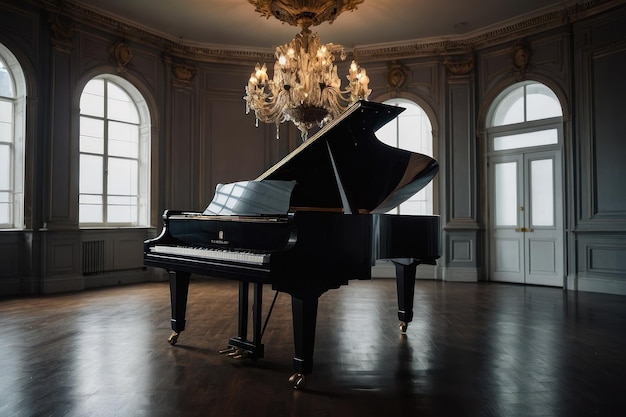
305	88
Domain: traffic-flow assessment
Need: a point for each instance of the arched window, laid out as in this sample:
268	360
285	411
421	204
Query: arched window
519	114
12	127
411	131
114	154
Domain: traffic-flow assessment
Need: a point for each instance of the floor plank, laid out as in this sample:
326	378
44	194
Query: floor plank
472	350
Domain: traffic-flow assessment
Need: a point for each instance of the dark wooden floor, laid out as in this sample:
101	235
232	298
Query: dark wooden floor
473	350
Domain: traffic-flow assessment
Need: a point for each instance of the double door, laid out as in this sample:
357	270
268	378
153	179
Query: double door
526	218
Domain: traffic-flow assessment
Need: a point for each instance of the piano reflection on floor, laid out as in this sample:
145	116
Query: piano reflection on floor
309	224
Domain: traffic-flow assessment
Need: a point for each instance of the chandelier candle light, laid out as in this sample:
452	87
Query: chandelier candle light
305	88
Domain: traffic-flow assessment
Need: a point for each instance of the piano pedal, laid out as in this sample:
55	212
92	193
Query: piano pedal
235	353
228	351
241	354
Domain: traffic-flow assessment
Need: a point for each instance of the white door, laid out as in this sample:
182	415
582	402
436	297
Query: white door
526	218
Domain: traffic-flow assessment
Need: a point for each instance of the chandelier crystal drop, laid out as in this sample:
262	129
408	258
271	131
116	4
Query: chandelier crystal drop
305	88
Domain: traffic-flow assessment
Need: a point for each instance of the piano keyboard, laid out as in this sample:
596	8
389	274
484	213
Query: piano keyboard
217	254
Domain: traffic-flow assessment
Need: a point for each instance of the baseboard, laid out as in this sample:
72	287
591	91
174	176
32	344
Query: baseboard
459	274
386	269
111	279
62	283
596	284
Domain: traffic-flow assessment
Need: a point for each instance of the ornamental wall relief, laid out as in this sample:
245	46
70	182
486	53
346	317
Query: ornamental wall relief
122	55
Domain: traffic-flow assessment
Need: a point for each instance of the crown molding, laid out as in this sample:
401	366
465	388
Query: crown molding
506	31
545	19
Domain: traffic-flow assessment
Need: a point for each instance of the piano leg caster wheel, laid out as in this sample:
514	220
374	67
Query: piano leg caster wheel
403	326
173	339
298	380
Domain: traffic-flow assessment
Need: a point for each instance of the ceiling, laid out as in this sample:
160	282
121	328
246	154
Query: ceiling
234	24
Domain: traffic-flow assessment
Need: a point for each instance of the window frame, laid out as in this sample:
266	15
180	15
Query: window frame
142	159
523	127
16	143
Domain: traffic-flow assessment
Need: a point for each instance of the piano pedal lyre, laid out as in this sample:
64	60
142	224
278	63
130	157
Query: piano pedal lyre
173	339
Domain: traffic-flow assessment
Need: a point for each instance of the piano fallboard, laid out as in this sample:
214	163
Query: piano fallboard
261	233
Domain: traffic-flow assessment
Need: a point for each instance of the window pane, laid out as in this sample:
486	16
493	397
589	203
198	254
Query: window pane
120	106
6	81
510	109
91	135
419	204
5	167
91	174
6	111
92	98
506	192
122	177
415	130
541	103
411	207
526	140
409	137
6	121
5	208
90	209
122	209
123	140
542	193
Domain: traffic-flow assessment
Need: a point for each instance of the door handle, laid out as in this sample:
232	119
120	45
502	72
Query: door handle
524	229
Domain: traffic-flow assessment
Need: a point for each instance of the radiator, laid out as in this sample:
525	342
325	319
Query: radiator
93	257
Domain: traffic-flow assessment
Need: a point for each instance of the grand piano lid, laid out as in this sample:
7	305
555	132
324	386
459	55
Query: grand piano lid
345	166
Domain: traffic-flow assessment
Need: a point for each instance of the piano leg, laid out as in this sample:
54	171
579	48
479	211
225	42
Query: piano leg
304	313
405	280
179	288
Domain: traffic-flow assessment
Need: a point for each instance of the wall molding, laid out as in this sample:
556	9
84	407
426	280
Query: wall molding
485	37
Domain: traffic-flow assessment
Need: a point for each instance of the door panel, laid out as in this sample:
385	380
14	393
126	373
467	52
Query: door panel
544	263
508	256
526	228
507	249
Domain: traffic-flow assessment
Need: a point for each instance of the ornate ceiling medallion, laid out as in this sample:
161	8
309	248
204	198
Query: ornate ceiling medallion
304	13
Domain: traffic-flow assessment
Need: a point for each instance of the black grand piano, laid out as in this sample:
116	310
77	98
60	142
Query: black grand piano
311	223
